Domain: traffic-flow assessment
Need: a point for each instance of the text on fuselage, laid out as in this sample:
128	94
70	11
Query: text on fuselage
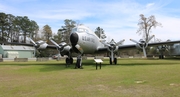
86	38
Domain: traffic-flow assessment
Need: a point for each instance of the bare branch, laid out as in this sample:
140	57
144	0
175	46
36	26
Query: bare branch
145	25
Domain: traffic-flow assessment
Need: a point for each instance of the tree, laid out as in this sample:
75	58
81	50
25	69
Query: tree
145	25
57	37
3	25
100	33
33	28
47	32
10	26
66	30
25	26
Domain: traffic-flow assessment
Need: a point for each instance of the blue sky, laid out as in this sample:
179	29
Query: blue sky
118	18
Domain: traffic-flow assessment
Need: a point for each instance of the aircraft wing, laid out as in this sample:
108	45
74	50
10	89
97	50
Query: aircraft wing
28	44
149	44
132	46
163	43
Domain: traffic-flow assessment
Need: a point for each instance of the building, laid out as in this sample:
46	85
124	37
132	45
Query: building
9	51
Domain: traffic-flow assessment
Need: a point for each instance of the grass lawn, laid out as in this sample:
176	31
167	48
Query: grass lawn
129	78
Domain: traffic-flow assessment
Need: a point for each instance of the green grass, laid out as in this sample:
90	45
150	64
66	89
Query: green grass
130	77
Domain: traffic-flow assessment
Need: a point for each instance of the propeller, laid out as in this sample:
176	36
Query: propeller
142	44
163	48
35	46
62	48
58	47
112	47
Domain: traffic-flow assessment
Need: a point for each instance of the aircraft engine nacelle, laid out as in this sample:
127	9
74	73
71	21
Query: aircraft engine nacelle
163	48
141	44
62	44
113	48
65	50
41	44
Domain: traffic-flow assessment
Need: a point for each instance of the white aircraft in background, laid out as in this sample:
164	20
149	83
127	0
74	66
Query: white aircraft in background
85	41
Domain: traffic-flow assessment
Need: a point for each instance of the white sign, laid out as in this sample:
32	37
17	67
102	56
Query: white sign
98	60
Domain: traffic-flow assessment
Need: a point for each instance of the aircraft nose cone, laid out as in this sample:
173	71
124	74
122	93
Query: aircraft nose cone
74	39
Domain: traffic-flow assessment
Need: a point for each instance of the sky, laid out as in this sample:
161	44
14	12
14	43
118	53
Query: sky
118	18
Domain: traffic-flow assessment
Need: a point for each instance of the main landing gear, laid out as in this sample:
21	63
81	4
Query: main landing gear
115	61
79	62
69	60
161	56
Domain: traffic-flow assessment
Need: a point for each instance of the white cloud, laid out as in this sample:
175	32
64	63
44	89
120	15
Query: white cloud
118	18
170	29
149	5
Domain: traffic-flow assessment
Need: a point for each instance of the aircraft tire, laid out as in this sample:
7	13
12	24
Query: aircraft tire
71	60
110	61
78	63
159	56
115	60
67	60
162	56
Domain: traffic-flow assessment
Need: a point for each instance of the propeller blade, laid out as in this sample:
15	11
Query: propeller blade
35	47
33	42
144	51
54	42
59	54
150	38
134	40
112	56
120	42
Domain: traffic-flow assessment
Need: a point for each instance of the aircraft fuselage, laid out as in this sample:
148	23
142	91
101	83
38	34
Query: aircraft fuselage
85	39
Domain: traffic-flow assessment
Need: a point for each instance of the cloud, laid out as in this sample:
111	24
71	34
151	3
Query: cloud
149	5
119	18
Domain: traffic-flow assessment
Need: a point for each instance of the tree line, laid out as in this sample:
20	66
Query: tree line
11	27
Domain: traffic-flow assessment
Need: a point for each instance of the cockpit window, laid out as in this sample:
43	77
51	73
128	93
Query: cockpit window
82	30
74	29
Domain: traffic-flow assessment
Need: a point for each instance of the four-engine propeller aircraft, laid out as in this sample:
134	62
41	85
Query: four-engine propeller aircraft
85	41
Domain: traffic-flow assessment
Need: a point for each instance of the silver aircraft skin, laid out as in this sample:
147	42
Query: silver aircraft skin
85	41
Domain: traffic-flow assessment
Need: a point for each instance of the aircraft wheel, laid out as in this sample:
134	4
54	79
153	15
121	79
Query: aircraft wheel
110	61
162	56
159	56
71	60
115	60
67	60
78	63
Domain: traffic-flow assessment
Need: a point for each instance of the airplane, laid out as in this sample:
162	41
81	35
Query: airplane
84	41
